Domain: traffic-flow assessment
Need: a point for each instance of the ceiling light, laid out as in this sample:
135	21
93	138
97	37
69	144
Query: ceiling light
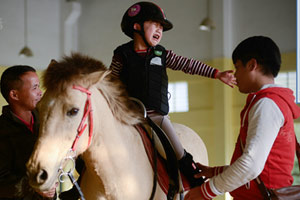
25	51
207	24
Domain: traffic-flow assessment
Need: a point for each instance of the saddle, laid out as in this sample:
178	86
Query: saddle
163	159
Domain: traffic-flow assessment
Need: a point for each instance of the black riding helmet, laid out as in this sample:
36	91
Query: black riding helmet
141	12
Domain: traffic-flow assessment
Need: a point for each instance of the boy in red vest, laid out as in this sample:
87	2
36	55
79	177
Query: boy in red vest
267	130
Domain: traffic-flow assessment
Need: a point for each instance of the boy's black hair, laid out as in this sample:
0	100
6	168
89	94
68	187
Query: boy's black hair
10	78
261	48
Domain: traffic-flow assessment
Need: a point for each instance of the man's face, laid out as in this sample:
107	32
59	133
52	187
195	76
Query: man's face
29	94
242	76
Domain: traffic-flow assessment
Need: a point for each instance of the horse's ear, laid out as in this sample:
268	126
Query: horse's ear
52	62
98	76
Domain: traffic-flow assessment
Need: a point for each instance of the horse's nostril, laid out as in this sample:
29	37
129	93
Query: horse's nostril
42	176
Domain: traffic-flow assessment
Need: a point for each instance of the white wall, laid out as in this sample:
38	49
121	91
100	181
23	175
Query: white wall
100	33
235	20
43	31
274	18
239	19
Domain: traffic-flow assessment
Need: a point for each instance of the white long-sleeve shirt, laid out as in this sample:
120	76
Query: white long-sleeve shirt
264	121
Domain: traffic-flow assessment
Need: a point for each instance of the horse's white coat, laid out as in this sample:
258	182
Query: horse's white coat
117	166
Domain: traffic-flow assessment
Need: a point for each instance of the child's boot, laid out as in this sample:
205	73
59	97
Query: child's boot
188	168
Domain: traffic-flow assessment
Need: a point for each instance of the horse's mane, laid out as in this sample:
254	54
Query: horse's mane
75	70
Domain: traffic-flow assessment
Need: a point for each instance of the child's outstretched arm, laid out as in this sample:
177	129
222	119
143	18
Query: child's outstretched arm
226	77
191	66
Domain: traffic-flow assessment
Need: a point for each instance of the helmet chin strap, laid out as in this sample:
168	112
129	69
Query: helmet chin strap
142	34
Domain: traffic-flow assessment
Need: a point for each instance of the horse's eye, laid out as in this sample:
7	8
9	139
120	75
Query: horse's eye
73	112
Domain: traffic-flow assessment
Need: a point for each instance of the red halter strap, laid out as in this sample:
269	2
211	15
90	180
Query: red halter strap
88	113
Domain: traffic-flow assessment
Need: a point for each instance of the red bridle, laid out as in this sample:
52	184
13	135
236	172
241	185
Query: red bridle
88	113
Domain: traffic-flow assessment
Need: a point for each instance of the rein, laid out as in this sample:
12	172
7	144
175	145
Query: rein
87	114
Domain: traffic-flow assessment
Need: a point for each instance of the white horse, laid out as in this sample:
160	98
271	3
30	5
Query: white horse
117	166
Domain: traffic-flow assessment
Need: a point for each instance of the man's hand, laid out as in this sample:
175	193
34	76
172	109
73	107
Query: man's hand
194	194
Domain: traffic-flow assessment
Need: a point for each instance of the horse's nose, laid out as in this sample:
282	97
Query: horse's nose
42	176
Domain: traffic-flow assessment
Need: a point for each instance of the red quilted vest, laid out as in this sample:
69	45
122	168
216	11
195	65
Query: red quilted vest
280	162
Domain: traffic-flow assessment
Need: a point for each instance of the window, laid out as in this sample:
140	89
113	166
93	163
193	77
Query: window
178	97
295	172
288	79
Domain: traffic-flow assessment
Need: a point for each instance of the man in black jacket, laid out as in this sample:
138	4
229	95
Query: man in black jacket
19	125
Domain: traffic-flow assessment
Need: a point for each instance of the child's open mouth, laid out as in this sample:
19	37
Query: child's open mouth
156	36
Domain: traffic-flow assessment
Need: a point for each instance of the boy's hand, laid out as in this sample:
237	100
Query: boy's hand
227	77
202	192
194	193
206	171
